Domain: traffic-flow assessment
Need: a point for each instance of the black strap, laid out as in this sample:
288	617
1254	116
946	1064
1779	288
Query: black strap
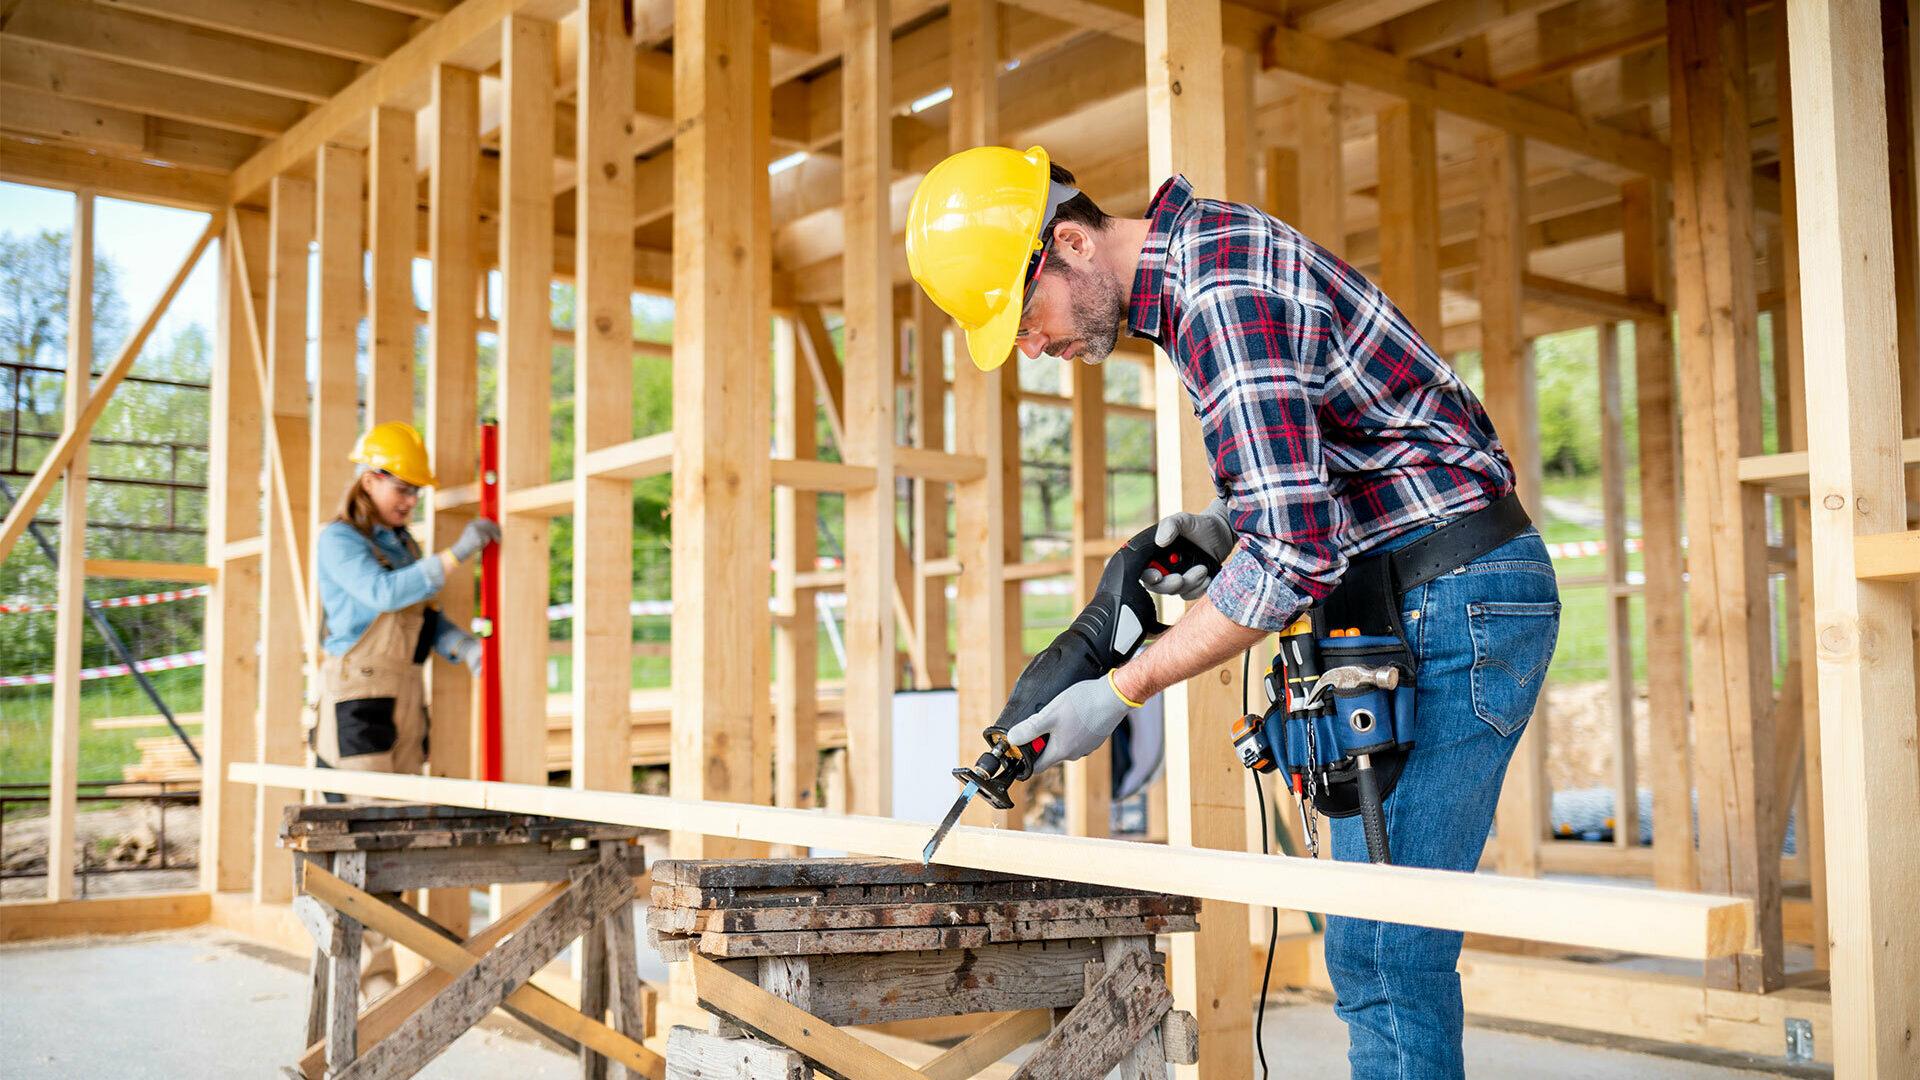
1459	542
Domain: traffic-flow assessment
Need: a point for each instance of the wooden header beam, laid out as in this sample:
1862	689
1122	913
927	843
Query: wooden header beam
1637	920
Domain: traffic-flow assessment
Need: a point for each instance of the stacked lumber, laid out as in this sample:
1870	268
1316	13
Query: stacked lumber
348	826
732	908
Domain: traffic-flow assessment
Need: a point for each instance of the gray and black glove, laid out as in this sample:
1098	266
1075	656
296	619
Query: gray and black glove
468	652
1211	531
478	534
1075	723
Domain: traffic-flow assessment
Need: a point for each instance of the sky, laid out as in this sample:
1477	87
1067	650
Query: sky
146	242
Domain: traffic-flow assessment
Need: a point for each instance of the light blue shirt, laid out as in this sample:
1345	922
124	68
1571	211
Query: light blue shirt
355	587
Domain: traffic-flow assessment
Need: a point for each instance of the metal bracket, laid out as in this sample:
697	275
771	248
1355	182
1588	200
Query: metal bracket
1799	1041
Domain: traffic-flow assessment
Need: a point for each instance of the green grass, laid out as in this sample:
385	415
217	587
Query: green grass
26	717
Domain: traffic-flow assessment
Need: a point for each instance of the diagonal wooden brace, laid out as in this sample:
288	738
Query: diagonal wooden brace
578	906
1105	1027
725	994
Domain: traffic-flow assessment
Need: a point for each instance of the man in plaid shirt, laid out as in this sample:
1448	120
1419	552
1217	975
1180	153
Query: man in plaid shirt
1333	431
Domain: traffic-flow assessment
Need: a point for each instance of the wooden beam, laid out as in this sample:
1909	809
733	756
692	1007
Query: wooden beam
25	161
796	536
341	294
1644	213
28	65
870	538
715	583
1089	781
1872	789
1205	785
1344	17
124	133
232	681
391	203
1541	289
134	570
73	439
1410	214
991	1043
1620	694
930	494
728	995
1720	421
70	575
1344	63
1688	925
355	32
45	919
526	365
1322	186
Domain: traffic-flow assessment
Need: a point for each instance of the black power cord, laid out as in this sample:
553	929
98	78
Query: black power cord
1273	926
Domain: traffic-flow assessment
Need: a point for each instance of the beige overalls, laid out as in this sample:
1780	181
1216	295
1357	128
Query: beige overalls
372	713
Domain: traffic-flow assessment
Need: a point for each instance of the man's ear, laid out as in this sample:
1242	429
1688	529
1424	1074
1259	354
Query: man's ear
1073	237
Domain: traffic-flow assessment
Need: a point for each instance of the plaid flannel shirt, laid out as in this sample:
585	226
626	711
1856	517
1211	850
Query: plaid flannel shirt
1331	426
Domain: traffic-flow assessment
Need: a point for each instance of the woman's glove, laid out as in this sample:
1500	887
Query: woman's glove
478	534
468	652
1209	529
1075	723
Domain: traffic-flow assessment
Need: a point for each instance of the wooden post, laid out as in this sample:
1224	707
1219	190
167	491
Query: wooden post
715	584
453	414
392	208
232	685
603	401
979	407
70	583
1205	785
866	124
1322	179
336	389
525	391
1644	215
1902	53
758	390
796	757
1720	419
930	496
1867	677
1507	365
279	739
1613	482
1089	780
1410	214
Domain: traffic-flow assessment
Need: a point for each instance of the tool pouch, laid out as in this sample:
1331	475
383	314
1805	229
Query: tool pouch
1365	720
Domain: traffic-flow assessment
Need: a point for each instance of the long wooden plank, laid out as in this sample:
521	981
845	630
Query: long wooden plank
796	639
37	920
74	438
336	392
392	201
988	1045
1601	916
1205	788
1089	781
136	570
1720	421
1872	782
721	991
70	576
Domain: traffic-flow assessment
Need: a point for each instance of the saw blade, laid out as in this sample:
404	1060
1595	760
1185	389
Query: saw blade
959	807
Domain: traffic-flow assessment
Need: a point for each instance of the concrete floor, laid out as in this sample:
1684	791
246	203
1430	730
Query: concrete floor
206	1003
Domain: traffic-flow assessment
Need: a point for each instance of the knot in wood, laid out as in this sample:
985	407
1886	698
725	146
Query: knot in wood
603	324
1833	502
610	170
1175	88
1226	676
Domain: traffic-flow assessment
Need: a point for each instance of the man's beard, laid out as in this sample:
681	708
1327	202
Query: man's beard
1098	308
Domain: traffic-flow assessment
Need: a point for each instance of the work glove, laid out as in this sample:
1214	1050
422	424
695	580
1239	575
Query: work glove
1209	529
468	652
478	534
1074	724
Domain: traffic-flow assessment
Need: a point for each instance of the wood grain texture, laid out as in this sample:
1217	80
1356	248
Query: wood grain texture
841	1055
1103	1029
696	1055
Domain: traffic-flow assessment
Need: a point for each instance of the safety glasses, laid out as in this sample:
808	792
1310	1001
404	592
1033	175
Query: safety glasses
401	487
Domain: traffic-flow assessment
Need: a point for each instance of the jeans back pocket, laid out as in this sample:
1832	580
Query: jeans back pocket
1512	646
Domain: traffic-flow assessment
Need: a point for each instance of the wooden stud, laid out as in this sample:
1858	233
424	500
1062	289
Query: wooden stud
525	364
1644	215
603	405
233	610
715	583
1410	214
343	961
1720	419
796	758
278	736
1205	785
870	537
391	206
1322	182
758	388
336	386
1089	780
930	496
1872	793
70	583
1626	782
1507	363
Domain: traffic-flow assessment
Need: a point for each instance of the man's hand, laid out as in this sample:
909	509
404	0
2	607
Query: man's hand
1074	723
1210	530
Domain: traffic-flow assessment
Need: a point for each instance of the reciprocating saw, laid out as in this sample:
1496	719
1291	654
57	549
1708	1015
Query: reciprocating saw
1106	634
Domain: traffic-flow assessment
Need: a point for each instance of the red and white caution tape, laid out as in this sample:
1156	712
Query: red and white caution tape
159	663
141	600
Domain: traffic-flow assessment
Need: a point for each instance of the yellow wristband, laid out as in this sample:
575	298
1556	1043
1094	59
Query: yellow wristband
1121	696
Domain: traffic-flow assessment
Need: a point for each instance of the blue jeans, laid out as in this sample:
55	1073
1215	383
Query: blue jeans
1482	635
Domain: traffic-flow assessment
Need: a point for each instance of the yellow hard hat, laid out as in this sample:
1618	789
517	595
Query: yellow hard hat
394	447
972	232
